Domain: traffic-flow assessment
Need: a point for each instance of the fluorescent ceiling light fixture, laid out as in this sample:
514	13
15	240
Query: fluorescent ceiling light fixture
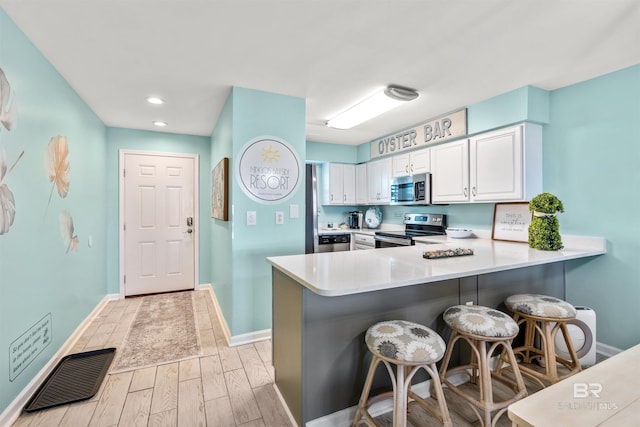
155	100
378	103
160	123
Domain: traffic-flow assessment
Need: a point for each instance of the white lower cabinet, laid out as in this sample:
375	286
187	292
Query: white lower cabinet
363	241
498	166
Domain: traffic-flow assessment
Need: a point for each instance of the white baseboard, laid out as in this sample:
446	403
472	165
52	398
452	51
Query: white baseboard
12	412
607	350
234	340
284	405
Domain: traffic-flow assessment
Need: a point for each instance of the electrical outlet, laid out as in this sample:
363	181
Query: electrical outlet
468	303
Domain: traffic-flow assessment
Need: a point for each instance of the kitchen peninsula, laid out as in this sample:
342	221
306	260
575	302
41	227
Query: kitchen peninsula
323	304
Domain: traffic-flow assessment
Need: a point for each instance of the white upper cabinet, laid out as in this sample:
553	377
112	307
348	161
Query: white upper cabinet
450	172
411	163
340	184
362	185
498	166
379	178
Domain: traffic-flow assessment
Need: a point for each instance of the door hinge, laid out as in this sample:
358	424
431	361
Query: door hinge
124	227
125	279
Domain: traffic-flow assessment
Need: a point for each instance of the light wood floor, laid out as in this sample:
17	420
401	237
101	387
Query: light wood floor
226	386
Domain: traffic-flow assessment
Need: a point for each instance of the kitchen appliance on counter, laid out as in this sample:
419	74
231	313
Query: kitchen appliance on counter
355	220
411	190
421	224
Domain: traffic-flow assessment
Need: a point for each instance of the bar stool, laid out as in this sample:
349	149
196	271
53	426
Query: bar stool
484	330
409	346
543	316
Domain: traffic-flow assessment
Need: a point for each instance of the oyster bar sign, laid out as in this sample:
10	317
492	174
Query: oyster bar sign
440	129
268	170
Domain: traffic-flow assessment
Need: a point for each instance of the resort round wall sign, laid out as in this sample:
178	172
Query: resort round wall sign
268	170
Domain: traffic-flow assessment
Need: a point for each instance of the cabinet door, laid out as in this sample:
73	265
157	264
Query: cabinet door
420	161
400	165
373	187
336	178
379	178
361	184
496	165
385	180
349	184
450	170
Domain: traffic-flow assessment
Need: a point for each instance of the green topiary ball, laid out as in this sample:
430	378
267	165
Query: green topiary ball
544	231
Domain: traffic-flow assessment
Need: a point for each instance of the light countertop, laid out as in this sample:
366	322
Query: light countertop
352	272
607	395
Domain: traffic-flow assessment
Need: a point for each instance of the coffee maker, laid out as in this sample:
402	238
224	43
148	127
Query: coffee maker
355	220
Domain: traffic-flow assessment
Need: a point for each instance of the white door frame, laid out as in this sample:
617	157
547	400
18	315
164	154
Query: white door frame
196	216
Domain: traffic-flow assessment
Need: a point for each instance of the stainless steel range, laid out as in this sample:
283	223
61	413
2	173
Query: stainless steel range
422	224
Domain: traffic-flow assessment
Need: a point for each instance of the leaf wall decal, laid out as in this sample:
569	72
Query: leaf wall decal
7	200
58	165
8	109
7	209
70	240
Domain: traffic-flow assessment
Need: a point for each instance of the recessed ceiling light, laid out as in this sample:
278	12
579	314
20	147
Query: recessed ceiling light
155	100
378	103
160	123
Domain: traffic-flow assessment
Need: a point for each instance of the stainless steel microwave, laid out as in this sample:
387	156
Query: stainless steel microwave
411	190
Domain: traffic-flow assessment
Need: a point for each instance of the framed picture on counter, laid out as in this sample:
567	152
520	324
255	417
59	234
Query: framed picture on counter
511	222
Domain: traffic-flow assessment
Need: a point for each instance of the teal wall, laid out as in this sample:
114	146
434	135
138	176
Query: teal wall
129	139
591	162
221	262
246	297
37	276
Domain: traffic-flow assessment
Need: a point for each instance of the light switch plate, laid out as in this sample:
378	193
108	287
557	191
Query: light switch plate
251	217
294	211
279	217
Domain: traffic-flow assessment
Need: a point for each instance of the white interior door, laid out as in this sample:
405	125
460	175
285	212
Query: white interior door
159	229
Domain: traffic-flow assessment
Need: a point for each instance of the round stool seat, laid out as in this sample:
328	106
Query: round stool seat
540	306
405	342
481	321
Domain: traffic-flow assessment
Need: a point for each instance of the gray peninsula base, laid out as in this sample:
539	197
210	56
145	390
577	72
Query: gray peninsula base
319	354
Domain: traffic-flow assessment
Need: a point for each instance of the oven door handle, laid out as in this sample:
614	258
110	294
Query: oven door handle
394	240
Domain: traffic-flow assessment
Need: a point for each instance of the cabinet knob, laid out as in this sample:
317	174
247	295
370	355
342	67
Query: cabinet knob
412	168
473	191
406	169
466	192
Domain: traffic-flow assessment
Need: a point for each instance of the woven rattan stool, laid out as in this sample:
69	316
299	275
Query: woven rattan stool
486	331
543	316
409	347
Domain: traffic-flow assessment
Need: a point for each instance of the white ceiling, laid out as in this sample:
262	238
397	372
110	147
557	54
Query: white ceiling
115	53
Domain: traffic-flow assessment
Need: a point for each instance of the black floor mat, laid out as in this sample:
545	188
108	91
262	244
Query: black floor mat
77	377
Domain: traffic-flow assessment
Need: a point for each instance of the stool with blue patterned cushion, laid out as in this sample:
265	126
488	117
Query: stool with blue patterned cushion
543	316
405	345
485	330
